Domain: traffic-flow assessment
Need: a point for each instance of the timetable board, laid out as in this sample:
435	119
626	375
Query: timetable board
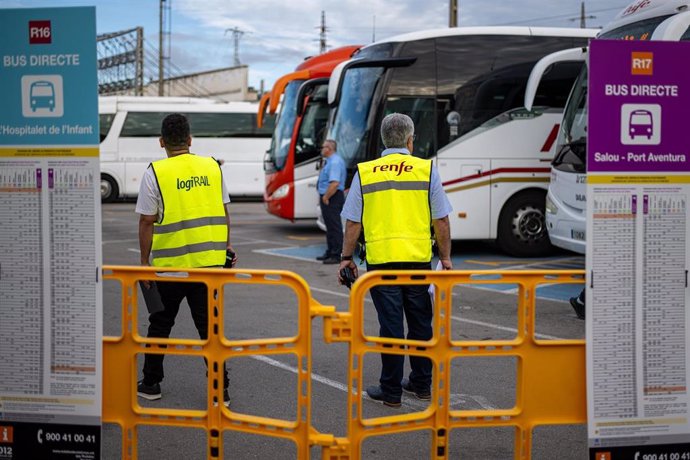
638	190
50	236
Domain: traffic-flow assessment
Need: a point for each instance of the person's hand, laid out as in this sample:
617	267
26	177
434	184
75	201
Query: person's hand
347	263
447	264
234	259
324	199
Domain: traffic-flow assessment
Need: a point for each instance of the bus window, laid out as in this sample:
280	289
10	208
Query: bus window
203	124
420	77
313	127
491	80
142	124
222	124
422	112
105	120
268	126
556	83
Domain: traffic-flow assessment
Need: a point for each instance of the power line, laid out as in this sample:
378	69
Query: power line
560	16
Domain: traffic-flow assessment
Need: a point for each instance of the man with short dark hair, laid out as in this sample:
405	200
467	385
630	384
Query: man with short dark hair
331	186
184	222
395	199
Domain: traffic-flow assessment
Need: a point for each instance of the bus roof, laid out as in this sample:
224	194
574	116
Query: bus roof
111	104
640	10
326	61
491	30
314	67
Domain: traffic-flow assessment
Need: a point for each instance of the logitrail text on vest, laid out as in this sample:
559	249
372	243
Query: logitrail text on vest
194	181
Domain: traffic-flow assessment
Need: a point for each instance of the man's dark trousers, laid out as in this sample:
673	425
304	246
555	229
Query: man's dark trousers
391	303
161	323
334	226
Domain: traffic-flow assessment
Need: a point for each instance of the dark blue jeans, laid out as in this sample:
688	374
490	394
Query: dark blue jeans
162	322
414	302
334	226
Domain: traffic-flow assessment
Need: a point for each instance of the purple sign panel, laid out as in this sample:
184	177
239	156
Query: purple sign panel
639	98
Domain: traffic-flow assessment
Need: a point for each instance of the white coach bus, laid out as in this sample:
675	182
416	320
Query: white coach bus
130	128
566	201
464	89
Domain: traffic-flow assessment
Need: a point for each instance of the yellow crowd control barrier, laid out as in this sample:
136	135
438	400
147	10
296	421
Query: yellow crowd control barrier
120	404
550	383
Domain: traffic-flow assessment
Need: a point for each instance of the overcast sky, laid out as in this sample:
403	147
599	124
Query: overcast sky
279	34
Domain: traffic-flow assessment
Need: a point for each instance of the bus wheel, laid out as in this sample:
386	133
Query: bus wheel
522	227
109	190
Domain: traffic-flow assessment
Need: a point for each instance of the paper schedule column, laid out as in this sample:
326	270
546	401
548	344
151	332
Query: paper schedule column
613	332
72	274
663	298
21	278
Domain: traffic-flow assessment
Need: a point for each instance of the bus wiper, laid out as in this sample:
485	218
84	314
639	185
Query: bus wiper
577	147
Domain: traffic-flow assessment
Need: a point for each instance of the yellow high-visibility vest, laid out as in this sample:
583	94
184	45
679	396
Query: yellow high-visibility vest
396	212
193	230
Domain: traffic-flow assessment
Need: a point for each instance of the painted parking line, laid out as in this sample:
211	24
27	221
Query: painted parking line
458	400
474	261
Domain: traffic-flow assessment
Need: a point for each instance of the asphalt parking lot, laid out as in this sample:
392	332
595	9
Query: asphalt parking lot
266	385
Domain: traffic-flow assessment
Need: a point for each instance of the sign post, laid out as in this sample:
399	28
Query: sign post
638	189
50	235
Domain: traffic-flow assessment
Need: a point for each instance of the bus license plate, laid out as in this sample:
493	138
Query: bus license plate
577	235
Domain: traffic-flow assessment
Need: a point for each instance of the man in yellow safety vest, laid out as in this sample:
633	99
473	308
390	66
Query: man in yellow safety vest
396	199
184	222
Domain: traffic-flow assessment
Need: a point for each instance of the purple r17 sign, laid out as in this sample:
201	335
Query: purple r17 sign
639	98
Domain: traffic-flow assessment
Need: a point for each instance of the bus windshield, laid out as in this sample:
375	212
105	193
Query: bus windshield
641	30
282	136
572	153
350	124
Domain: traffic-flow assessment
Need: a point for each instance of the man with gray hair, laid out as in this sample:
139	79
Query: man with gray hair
396	199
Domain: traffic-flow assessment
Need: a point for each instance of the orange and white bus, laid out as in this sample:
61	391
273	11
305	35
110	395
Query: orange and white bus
292	160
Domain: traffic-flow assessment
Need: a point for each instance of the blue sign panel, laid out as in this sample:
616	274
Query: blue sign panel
48	82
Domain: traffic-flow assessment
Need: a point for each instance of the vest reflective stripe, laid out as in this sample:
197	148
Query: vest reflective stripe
193	231
395	185
396	214
192	248
187	224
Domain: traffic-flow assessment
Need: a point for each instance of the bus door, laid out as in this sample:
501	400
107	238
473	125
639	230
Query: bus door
312	112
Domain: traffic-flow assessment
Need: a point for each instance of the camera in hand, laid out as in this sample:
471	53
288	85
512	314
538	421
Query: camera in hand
229	257
348	276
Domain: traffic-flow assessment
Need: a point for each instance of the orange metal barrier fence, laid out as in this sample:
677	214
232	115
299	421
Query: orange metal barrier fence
550	385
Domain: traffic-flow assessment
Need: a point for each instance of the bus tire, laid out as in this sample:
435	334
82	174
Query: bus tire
109	189
522	226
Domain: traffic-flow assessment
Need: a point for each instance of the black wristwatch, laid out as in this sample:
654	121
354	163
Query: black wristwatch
342	258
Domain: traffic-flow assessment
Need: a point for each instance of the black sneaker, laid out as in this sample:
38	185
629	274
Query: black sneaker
377	394
331	260
324	256
424	395
578	306
150	392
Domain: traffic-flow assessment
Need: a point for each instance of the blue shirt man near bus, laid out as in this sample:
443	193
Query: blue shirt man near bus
331	186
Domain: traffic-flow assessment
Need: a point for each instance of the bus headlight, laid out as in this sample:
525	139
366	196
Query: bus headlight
550	207
281	192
